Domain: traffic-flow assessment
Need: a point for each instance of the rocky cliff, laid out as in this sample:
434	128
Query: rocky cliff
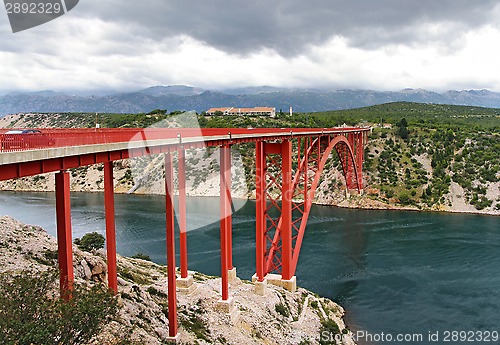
279	317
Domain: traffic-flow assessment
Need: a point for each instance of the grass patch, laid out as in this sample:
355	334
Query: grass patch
282	309
195	324
332	328
141	279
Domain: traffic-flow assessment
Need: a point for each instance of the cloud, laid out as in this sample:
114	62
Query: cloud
383	45
289	27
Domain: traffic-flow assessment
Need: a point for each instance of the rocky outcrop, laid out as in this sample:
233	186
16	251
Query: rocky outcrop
279	317
29	247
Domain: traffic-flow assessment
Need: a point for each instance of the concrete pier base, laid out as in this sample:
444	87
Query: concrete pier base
231	275
353	193
186	285
172	340
275	279
228	307
290	285
260	287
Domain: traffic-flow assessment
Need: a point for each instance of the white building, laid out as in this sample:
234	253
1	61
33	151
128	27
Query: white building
257	111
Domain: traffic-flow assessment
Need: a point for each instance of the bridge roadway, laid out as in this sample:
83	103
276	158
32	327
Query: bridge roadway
72	148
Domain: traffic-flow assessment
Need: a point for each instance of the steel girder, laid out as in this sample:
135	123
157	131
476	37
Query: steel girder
280	231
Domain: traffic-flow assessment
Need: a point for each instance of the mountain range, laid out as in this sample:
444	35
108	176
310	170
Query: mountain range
180	97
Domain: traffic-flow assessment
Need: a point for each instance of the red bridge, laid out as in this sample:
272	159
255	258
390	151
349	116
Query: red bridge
284	195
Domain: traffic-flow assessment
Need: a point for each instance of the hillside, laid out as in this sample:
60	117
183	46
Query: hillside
184	98
279	317
419	156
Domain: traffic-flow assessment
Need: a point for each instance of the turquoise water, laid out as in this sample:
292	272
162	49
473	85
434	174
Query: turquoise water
394	272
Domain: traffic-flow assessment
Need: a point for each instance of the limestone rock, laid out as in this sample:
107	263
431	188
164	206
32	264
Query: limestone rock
143	295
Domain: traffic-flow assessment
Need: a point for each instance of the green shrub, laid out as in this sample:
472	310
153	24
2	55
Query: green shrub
282	309
90	241
142	256
328	326
31	311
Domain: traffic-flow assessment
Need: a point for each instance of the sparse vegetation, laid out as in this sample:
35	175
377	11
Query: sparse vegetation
32	313
282	309
142	256
328	326
193	322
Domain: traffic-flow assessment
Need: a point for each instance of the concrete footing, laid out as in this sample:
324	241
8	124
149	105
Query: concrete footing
228	307
173	340
260	287
290	285
186	285
275	279
231	275
225	306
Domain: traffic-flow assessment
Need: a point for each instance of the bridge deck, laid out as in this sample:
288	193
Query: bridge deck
73	142
61	149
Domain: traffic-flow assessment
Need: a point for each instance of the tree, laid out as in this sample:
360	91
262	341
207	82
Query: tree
404	198
90	241
402	123
31	312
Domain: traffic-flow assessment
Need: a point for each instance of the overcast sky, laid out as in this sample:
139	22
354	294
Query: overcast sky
363	44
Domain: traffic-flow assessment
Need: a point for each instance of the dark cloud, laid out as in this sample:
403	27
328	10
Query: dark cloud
290	26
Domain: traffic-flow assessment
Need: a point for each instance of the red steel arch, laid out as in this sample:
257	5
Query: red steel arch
285	222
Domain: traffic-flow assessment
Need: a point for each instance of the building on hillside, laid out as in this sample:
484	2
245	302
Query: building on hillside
257	111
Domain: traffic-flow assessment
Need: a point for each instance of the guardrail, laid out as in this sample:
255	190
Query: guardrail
64	137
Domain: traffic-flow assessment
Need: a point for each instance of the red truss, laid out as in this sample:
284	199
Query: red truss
283	209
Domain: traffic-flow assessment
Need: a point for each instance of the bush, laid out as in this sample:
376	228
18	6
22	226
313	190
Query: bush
31	311
90	241
282	309
404	198
142	256
330	328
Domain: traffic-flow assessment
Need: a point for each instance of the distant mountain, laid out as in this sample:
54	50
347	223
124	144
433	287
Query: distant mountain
180	97
179	90
253	90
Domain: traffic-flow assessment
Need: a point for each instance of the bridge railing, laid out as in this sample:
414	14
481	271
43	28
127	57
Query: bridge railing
64	137
48	138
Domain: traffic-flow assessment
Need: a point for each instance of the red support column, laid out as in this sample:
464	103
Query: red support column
172	296
360	157
64	242
306	167
260	216
229	217
181	177
109	207
286	209
350	163
223	223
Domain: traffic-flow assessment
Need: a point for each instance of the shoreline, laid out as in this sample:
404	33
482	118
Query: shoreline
412	209
384	207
